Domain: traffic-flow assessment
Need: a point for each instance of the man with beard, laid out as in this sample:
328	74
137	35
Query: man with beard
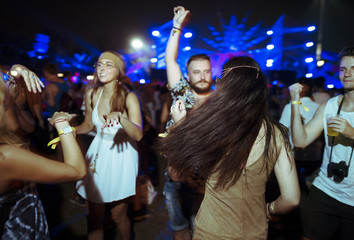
194	91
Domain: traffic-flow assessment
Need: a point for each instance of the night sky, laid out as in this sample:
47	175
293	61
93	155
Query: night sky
110	25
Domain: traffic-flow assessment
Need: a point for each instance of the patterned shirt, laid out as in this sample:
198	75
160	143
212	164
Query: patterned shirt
181	89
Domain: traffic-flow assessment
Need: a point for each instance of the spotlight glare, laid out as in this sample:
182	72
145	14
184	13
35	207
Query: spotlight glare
142	81
188	35
89	77
270	46
155	33
330	86
60	74
311	28
269	63
270	32
187	48
137	43
309	60
309	75
320	63
309	44
153	60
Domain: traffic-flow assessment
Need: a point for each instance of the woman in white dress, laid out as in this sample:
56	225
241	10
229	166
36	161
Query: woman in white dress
112	157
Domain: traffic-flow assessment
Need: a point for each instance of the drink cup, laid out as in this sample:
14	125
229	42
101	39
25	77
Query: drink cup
330	131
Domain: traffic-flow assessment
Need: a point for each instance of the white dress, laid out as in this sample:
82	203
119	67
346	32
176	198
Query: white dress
114	158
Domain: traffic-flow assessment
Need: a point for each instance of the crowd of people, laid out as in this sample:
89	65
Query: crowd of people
222	147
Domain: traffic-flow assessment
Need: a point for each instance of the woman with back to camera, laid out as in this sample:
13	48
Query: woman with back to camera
232	142
112	156
21	213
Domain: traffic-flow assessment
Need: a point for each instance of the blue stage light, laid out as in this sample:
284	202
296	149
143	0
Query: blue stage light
188	35
155	33
311	28
270	46
330	86
269	63
309	75
309	44
309	60
270	32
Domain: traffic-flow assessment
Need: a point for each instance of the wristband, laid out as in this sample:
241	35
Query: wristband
299	102
66	130
53	143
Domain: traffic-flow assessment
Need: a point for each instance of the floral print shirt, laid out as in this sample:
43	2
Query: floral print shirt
181	89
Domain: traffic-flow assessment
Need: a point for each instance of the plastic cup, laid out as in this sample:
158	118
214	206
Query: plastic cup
330	131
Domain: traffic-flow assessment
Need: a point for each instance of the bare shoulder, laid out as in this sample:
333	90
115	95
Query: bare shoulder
10	153
51	87
132	97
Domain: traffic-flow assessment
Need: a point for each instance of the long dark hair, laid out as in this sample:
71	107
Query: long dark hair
218	136
120	92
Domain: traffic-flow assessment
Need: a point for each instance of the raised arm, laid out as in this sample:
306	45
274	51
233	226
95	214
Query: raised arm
302	135
173	70
22	164
33	83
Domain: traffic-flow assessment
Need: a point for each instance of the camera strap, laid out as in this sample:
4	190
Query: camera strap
351	154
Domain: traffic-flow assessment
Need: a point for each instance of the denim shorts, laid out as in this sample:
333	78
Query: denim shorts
182	203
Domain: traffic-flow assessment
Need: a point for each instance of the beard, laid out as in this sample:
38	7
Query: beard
200	89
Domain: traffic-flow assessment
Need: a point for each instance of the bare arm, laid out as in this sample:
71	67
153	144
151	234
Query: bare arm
21	164
172	69
50	91
87	125
133	123
302	135
285	172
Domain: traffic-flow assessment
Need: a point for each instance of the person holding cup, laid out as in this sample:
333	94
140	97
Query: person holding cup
330	124
330	203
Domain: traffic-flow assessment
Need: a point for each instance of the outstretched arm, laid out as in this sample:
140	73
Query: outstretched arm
133	123
173	70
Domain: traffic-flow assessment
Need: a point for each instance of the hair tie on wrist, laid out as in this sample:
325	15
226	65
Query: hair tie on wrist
177	29
299	102
58	121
